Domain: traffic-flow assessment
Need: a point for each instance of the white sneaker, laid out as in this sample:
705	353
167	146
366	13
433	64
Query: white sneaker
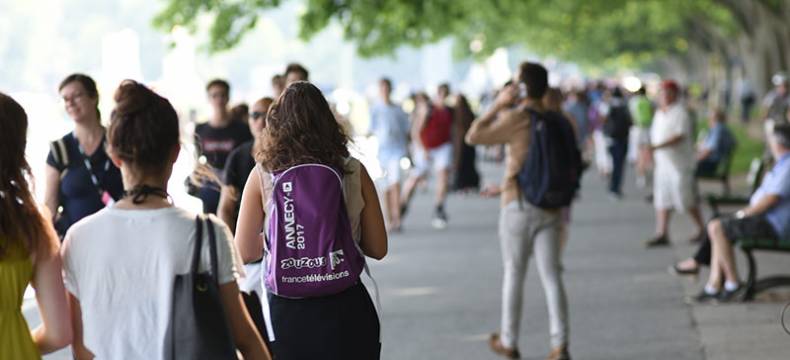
641	182
438	223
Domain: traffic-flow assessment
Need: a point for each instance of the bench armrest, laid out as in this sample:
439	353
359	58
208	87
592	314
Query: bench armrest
716	201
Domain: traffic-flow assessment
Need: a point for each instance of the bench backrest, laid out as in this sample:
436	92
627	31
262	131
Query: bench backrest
724	165
755	176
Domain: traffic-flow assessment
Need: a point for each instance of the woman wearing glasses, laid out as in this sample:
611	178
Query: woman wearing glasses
239	164
237	168
80	178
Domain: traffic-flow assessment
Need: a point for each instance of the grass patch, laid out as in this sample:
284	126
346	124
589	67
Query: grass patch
748	149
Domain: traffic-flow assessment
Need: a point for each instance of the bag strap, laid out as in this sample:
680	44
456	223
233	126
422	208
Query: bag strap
212	242
198	245
533	117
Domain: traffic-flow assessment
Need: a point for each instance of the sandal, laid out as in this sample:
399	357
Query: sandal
559	353
496	346
696	239
660	240
677	270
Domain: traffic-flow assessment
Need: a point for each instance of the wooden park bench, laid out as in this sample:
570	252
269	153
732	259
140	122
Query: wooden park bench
748	245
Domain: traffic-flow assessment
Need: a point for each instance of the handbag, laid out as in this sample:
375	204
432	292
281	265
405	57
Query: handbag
198	328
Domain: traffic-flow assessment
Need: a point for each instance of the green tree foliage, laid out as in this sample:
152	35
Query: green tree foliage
622	32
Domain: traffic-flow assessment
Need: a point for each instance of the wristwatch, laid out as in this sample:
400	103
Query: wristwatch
740	214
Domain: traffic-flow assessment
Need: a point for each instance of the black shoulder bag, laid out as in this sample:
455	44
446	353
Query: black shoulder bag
198	328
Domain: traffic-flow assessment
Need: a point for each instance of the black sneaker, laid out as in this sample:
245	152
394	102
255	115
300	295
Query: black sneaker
439	219
657	241
705	297
729	295
404	208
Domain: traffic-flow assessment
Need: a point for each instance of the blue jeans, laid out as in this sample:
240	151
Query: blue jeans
618	150
209	193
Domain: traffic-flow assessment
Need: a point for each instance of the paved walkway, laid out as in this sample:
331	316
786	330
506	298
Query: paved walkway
441	289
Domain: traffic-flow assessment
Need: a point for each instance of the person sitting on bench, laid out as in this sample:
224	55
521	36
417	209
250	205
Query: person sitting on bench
766	217
717	146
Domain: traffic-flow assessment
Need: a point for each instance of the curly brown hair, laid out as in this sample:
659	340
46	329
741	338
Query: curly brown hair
300	128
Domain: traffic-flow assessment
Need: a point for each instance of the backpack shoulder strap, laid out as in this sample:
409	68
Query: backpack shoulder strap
267	182
60	153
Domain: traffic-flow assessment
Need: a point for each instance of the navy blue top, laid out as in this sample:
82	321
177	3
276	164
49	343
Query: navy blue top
78	195
720	142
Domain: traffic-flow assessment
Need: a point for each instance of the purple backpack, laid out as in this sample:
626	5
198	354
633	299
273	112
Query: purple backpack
310	247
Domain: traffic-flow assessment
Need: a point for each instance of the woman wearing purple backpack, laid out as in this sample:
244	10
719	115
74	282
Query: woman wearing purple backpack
321	217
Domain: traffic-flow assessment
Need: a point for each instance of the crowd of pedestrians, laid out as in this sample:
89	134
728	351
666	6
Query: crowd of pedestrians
174	275
273	266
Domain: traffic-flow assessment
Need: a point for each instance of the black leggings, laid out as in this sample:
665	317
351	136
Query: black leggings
703	254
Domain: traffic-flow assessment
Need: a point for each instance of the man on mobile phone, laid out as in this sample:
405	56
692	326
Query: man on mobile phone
523	227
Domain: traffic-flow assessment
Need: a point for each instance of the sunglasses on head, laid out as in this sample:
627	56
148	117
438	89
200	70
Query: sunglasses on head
255	115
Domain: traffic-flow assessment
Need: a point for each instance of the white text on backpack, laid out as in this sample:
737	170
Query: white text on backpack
294	233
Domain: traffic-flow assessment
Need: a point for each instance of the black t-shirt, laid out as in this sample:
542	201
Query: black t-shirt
217	143
238	168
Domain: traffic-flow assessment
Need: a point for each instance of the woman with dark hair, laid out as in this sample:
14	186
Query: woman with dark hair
301	132
120	264
237	169
240	113
80	177
28	251
466	176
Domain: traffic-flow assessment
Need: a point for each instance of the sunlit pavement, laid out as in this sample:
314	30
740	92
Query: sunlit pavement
441	289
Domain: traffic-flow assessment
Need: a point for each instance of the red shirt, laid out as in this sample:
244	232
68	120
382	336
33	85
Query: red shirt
437	130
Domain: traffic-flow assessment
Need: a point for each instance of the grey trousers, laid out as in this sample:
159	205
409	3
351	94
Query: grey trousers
523	230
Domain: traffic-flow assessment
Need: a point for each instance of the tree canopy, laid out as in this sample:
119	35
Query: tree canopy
591	32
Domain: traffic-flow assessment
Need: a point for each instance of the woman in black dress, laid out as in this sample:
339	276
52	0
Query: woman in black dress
466	176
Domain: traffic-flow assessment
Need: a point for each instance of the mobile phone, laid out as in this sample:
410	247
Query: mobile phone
522	90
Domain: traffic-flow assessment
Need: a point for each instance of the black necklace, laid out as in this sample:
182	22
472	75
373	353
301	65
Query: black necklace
140	192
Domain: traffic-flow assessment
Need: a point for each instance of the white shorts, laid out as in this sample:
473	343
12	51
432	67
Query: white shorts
673	189
391	171
440	158
642	136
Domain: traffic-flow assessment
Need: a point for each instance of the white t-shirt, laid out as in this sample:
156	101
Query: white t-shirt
121	265
666	125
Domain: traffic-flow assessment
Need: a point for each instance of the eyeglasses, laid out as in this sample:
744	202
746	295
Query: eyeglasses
73	98
218	95
255	115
